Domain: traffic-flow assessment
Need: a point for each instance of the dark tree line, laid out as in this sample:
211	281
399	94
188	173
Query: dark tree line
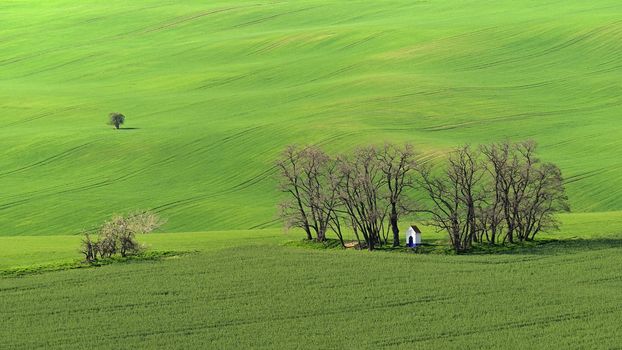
491	194
527	191
360	190
454	195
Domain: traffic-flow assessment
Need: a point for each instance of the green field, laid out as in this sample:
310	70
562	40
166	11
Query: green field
247	290
213	92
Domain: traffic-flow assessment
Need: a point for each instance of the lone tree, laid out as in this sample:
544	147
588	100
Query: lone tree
116	119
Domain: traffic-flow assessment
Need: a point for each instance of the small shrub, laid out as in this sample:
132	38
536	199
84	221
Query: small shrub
118	235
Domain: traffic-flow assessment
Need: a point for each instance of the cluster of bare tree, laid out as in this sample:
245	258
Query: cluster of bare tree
362	190
118	236
495	193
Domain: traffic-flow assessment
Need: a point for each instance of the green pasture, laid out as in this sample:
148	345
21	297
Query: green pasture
276	297
248	290
214	91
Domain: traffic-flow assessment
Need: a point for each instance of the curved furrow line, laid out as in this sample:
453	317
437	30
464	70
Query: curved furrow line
331	74
56	66
264	224
123	177
535	52
510	325
169	205
394	98
268	18
88	185
616	68
224	81
48	191
142	170
188	202
8	61
362	41
96	41
39	116
48	160
40	196
99	16
339	136
182	19
584	175
555	48
253	180
221	142
193	201
522	115
33	196
271	45
4	206
274	44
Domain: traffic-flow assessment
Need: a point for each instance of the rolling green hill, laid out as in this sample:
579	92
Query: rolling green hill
214	91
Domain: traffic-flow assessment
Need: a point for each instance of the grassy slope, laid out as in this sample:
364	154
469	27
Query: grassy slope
256	295
33	251
215	91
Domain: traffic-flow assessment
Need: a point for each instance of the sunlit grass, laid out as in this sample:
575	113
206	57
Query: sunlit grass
273	296
213	92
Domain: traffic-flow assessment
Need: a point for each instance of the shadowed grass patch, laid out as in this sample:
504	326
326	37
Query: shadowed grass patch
81	264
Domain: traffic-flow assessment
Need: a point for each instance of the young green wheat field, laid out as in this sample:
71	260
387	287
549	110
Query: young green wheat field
213	92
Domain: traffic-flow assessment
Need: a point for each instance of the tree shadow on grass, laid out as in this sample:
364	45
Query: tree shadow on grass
537	247
564	246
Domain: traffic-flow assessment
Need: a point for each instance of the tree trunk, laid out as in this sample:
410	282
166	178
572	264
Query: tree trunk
356	234
510	233
321	235
394	226
308	232
340	236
